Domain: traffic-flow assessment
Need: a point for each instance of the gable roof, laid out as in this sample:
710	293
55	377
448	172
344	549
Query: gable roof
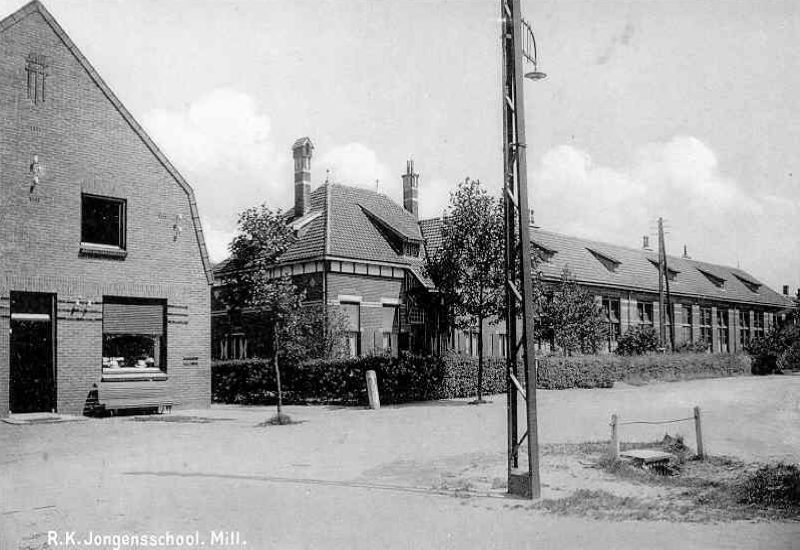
36	7
634	270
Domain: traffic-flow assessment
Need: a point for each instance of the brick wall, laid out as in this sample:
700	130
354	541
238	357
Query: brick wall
84	145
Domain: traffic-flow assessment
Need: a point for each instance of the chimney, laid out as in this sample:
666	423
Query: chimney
646	242
302	151
785	290
411	189
686	254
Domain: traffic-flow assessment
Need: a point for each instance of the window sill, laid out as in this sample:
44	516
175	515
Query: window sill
103	251
116	375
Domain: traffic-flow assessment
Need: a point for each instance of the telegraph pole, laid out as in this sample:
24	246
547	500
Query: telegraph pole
518	45
664	305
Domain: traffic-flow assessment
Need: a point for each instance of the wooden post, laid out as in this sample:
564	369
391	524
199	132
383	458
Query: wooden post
614	448
698	430
372	390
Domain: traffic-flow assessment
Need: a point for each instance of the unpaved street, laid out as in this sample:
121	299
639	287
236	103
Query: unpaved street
416	476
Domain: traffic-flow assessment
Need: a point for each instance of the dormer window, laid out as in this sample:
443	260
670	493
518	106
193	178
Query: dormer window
542	252
411	249
717	281
608	262
751	285
672	274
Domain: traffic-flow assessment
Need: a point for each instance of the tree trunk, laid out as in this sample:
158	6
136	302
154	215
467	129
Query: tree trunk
480	359
278	381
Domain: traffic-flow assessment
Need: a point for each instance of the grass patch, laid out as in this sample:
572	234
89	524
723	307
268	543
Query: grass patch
716	489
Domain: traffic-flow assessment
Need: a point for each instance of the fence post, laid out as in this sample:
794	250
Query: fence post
614	448
698	430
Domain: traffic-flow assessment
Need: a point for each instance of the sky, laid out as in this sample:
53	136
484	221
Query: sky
681	109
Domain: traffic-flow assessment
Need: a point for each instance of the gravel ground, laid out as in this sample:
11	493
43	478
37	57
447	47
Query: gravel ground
426	475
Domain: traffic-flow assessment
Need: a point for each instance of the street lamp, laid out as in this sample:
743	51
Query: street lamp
519	48
529	52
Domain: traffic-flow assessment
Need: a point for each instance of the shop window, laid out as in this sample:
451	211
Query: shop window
134	336
352	312
103	222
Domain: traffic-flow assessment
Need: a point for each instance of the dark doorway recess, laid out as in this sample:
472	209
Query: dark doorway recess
33	351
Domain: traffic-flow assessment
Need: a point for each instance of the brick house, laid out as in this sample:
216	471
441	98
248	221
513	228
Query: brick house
104	275
358	250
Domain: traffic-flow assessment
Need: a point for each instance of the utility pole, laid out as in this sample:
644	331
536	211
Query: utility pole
518	44
664	303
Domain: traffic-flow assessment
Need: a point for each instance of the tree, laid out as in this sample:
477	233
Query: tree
294	332
468	268
570	317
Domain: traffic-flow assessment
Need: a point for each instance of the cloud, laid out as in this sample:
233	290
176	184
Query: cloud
221	142
434	196
623	39
681	181
358	165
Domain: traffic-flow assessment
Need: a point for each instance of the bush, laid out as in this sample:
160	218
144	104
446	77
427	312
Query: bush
637	340
790	358
766	350
420	378
692	347
776	485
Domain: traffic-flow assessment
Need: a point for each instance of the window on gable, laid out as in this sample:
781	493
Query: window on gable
36	70
718	282
103	222
608	262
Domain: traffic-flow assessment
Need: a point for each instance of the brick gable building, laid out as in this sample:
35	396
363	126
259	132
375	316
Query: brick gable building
104	276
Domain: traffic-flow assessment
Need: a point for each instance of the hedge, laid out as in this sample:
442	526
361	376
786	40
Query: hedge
422	378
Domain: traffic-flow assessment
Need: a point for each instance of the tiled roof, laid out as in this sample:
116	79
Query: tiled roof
358	224
636	268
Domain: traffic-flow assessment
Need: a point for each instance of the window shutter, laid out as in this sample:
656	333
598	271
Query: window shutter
133	319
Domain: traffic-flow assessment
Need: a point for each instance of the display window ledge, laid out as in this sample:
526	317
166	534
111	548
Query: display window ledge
127	374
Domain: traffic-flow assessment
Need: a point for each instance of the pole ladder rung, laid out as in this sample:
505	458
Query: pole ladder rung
520	389
510	104
521	441
511	196
513	288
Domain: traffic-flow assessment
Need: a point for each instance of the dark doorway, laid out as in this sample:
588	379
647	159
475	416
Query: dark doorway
33	345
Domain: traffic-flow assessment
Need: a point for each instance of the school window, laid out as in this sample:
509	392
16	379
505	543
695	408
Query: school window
389	327
686	326
103	221
233	346
744	327
352	312
134	336
502	350
645	312
758	324
722	330
611	310
705	324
